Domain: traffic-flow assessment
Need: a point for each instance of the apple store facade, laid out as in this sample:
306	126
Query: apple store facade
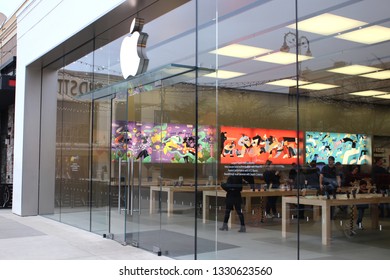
130	114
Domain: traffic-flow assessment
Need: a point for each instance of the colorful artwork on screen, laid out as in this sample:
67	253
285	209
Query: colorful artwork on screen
163	143
259	145
347	148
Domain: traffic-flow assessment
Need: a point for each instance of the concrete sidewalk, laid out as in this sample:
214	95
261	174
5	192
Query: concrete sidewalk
39	238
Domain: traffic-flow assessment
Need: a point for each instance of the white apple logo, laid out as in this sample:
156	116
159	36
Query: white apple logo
133	58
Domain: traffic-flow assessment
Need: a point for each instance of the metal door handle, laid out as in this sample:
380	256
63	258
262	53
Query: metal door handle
131	186
119	185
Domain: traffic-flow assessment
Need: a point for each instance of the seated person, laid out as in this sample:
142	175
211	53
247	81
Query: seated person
330	179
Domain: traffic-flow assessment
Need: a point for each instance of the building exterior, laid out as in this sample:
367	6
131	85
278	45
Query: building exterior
7	107
135	149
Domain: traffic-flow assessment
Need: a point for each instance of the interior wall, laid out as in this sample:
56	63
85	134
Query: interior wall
270	110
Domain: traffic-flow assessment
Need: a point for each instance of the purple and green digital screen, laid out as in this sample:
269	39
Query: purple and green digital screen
162	143
346	148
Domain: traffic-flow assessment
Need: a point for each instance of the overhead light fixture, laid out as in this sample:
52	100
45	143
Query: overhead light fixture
283	58
223	74
287	83
369	35
368	93
385	96
318	86
240	51
327	24
380	75
354	69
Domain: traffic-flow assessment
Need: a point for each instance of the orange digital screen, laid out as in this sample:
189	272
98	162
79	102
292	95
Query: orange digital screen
259	145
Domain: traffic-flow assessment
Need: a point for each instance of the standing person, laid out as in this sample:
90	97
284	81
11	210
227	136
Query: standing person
312	175
361	207
300	182
292	174
340	172
330	176
233	188
382	180
272	179
353	176
380	175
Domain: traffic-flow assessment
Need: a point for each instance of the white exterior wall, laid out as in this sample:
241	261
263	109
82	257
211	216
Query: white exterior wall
42	26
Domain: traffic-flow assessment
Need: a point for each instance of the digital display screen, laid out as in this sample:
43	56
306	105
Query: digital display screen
259	145
162	143
346	148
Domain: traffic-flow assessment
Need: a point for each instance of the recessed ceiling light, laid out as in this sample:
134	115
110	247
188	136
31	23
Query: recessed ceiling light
385	96
240	51
318	86
369	35
283	58
368	93
381	75
354	69
223	74
327	24
286	83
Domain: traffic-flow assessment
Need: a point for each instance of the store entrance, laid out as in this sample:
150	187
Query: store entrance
134	120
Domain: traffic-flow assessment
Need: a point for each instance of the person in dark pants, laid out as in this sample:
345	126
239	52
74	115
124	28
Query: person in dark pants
381	179
330	180
272	179
300	183
292	174
361	207
233	188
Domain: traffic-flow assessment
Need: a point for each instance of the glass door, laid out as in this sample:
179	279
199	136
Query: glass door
122	170
100	165
151	185
162	128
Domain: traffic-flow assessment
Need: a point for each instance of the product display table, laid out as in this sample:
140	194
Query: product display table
325	205
171	190
246	195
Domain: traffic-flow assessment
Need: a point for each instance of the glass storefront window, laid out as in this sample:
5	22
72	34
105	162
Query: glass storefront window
266	90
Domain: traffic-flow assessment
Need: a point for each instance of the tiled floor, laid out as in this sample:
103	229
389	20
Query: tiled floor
39	238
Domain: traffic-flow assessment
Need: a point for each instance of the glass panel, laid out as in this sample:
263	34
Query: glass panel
73	138
120	168
101	165
265	97
144	144
344	111
256	123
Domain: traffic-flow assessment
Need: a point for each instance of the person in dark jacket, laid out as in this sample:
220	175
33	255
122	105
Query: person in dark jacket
312	176
233	188
300	183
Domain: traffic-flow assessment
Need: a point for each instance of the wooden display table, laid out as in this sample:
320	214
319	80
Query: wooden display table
326	204
246	195
171	190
